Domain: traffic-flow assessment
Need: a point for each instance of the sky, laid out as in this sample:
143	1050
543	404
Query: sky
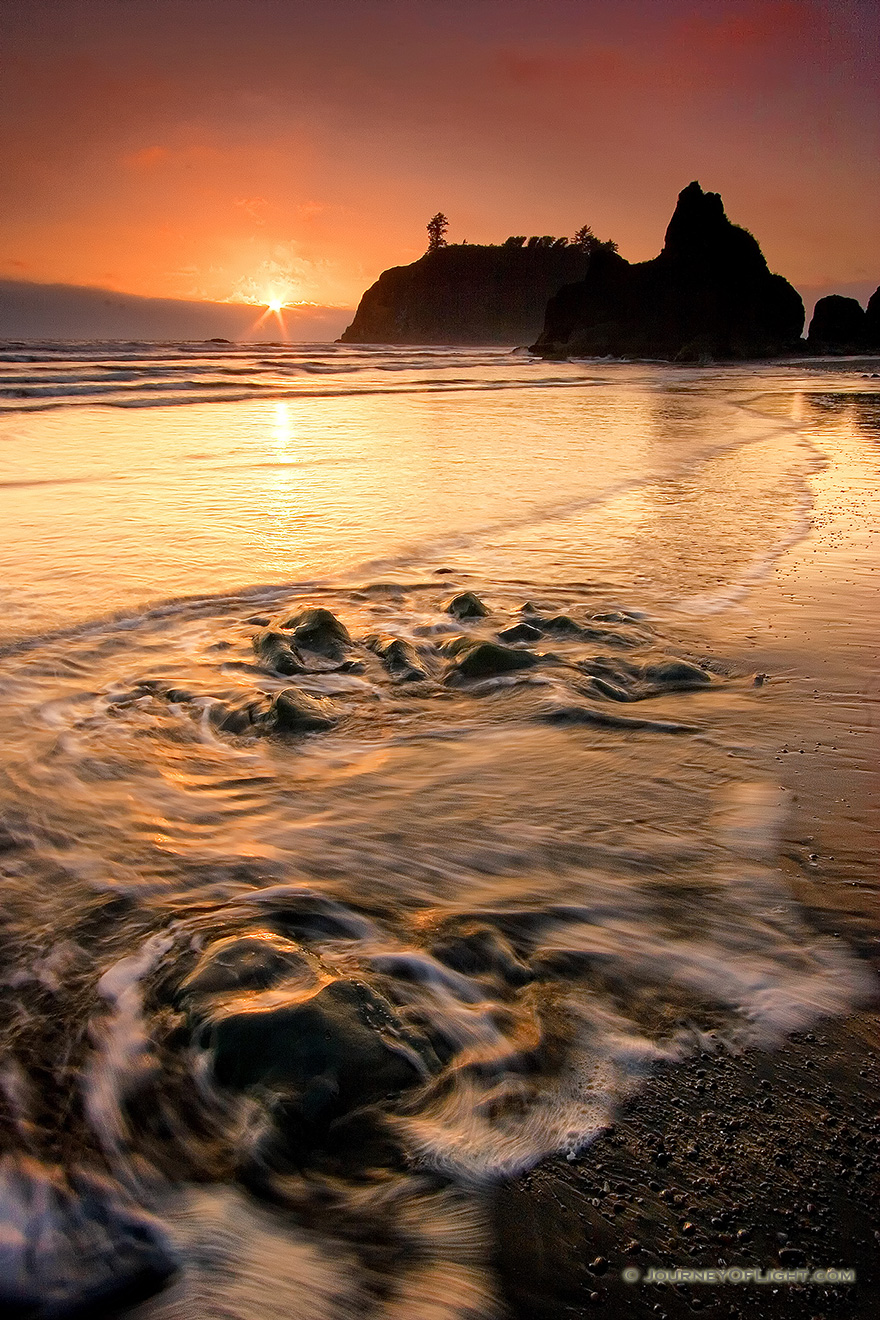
249	149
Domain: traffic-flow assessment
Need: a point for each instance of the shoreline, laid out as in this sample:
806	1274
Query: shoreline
767	1159
764	1160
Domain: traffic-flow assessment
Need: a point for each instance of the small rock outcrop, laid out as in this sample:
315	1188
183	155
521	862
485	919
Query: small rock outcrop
708	295
466	294
839	325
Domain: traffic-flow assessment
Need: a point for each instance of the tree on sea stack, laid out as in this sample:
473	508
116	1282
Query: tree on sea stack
437	227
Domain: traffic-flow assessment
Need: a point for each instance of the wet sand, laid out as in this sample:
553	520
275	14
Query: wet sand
763	1160
768	1161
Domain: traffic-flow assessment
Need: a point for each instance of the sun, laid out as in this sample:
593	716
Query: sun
275	304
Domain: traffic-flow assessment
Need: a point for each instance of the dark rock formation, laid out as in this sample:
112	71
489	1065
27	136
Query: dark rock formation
343	1047
838	326
244	962
293	711
277	652
320	631
489	660
289	712
872	321
707	295
398	656
465	294
74	1246
466	606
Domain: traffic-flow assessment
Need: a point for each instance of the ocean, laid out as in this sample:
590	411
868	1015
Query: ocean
406	754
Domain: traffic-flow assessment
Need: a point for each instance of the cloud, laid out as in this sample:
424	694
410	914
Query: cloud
254	207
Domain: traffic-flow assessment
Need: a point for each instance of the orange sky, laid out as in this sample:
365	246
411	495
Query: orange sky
220	148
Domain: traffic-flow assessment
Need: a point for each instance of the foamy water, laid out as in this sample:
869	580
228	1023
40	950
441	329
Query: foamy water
505	884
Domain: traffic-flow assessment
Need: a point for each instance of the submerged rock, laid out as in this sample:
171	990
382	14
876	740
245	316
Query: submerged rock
620	681
342	1048
245	962
489	660
74	1247
466	606
293	711
561	713
319	630
676	675
288	712
481	949
240	717
278	652
398	656
520	632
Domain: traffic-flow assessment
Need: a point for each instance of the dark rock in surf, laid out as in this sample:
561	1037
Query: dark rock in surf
398	656
241	717
676	675
839	325
293	711
466	606
289	712
344	1047
74	1247
320	631
561	713
563	624
489	660
278	652
245	962
620	681
707	296
520	632
479	950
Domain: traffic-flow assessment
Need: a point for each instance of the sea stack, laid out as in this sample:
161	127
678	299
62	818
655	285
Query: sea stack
467	293
709	295
839	325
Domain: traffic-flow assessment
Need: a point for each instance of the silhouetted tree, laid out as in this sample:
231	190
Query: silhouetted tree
515	240
437	227
587	241
560	242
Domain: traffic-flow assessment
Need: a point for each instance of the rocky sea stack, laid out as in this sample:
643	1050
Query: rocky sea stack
839	325
708	295
467	294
